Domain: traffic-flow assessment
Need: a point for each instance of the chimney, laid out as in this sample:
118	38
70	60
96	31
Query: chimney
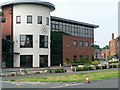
112	35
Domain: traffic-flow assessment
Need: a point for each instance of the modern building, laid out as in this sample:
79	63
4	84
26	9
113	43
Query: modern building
33	38
114	45
71	40
26	33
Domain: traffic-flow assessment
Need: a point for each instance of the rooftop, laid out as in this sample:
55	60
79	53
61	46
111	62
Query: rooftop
75	22
15	2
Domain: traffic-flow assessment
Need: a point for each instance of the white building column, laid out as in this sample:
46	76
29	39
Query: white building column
35	60
16	61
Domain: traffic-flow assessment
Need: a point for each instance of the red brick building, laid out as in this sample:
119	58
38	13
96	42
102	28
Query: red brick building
71	40
73	50
114	46
105	54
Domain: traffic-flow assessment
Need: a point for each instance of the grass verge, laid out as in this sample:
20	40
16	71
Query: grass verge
93	76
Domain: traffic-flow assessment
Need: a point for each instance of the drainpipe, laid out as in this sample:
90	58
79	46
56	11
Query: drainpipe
0	37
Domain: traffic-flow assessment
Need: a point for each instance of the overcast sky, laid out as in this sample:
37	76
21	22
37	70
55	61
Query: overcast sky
99	12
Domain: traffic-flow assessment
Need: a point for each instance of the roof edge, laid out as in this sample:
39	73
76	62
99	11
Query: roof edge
73	21
15	2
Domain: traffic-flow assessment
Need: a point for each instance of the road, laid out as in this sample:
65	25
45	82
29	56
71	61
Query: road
52	74
112	83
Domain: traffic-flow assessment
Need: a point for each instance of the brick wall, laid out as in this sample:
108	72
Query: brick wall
69	50
7	27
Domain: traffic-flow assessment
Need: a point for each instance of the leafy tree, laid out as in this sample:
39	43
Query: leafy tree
106	47
97	47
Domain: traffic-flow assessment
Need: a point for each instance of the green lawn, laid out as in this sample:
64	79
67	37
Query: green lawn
94	76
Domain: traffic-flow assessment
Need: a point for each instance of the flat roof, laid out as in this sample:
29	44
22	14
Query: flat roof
74	22
15	2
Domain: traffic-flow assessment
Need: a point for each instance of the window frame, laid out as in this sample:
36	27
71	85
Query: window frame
25	62
17	20
45	41
75	45
28	20
39	20
87	44
47	20
80	43
43	63
26	41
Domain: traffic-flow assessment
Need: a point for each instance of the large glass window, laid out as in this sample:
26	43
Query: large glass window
73	29
43	61
39	19
76	30
26	41
43	41
29	19
53	26
18	19
26	61
64	27
60	26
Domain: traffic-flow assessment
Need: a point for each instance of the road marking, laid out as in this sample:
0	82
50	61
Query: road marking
66	85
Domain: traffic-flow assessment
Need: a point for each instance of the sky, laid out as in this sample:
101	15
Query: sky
99	12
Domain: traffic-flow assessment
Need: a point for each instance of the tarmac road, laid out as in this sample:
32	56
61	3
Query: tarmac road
112	83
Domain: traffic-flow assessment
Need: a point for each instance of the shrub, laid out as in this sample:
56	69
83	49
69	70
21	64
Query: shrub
104	67
114	66
13	74
79	69
110	66
37	73
60	70
12	80
91	68
95	63
57	70
86	68
82	61
98	67
113	62
74	64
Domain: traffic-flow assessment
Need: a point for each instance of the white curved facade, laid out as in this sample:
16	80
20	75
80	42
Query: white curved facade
34	29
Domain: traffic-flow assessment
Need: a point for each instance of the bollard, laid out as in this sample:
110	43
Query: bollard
87	80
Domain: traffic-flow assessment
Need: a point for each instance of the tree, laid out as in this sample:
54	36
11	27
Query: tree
106	47
97	47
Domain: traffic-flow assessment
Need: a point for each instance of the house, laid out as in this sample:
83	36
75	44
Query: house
114	45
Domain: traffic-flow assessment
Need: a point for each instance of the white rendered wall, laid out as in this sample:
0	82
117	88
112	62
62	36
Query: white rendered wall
30	29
